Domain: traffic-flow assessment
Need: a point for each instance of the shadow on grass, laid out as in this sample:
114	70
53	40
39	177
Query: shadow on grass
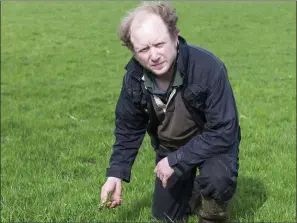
132	212
249	197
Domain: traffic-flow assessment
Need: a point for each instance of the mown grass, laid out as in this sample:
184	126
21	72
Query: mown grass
61	72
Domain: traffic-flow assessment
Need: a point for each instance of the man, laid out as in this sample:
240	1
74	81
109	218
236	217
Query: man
180	94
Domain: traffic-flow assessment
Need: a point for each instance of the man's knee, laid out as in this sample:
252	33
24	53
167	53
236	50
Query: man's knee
218	178
171	203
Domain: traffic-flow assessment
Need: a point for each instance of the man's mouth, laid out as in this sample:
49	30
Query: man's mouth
158	66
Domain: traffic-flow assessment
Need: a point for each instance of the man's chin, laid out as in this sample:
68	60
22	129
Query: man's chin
159	72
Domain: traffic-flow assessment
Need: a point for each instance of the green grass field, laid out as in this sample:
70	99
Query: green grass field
61	72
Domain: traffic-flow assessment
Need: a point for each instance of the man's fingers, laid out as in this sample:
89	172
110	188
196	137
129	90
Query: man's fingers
164	181
108	204
118	191
116	196
115	203
159	175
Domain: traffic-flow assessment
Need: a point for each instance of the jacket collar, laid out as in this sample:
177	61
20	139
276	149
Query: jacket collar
183	56
182	63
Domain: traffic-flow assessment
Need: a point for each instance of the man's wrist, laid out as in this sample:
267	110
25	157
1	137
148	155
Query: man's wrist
114	179
118	173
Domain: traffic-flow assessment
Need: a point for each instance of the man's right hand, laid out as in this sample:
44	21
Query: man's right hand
112	186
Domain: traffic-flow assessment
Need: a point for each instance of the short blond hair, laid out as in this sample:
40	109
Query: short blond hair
166	12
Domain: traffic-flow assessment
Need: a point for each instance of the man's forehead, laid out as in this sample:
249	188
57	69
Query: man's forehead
143	17
148	30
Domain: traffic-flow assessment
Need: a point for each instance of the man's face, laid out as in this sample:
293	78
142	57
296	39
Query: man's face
153	46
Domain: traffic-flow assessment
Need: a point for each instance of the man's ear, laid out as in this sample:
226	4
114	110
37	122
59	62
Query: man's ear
135	57
176	37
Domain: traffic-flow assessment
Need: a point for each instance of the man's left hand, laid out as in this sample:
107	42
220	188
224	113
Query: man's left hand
163	171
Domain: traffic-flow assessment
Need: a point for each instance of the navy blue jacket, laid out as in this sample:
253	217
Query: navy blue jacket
206	92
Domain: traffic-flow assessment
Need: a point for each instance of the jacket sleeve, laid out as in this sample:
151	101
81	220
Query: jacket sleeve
221	132
130	129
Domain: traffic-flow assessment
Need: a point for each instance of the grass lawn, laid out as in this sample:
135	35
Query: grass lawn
61	72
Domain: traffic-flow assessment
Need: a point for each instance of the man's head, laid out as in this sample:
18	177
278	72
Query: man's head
150	32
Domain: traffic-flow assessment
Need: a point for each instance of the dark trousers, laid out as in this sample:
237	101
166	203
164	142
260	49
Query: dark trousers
216	179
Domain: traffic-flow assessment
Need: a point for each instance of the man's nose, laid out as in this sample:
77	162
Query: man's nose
154	55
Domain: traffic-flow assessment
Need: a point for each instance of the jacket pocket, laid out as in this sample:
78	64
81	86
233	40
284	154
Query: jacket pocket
134	90
195	98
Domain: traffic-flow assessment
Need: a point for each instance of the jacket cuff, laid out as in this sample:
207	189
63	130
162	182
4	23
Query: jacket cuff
173	163
180	168
118	173
172	159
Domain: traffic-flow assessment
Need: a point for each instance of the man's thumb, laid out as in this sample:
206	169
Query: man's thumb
104	194
103	197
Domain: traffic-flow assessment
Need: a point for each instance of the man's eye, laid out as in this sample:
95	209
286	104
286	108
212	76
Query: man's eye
159	44
143	50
